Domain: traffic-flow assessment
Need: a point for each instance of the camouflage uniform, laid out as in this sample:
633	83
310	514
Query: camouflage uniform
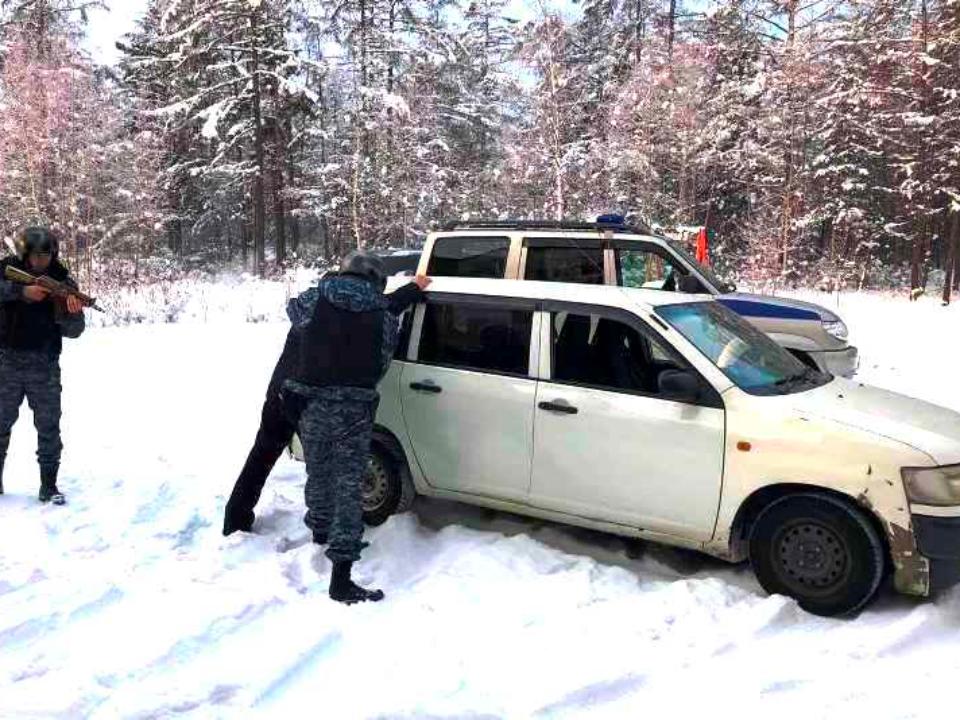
36	377
336	422
336	426
30	343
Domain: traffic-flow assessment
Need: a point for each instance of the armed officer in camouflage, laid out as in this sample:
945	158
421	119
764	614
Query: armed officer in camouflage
347	331
32	326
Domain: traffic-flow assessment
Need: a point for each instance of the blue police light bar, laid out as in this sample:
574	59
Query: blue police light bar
611	219
603	222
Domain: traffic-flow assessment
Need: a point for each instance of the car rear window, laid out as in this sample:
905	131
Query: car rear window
405	263
565	264
477	257
476	337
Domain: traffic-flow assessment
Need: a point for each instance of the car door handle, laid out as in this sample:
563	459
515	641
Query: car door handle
426	387
558	407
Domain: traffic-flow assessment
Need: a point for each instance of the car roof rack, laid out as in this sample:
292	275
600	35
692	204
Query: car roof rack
601	224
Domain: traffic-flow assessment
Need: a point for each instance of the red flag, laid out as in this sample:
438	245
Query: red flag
702	255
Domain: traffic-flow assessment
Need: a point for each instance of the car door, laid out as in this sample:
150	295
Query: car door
468	394
609	444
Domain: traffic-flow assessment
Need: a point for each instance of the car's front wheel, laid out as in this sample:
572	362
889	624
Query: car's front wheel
387	488
820	550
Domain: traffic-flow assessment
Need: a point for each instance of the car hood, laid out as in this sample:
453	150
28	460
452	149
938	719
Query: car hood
929	428
752	305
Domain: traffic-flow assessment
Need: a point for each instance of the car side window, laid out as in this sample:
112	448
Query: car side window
489	338
477	257
606	353
647	268
565	264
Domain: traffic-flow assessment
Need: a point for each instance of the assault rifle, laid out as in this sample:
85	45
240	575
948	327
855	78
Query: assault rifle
57	289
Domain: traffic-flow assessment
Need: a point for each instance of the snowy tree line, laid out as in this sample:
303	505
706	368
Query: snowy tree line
819	140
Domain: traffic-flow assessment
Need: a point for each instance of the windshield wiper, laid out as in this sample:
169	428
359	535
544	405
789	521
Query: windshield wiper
806	375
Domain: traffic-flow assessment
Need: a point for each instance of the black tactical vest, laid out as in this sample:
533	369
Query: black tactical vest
341	348
31	326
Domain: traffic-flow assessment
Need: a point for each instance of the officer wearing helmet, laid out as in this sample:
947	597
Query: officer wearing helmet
343	336
32	327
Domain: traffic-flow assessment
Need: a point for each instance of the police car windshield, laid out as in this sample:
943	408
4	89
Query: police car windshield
744	354
707	273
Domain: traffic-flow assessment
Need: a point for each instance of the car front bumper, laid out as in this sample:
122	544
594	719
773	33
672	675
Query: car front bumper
844	363
938	540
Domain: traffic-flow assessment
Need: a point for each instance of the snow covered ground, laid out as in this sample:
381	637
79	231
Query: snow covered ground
129	603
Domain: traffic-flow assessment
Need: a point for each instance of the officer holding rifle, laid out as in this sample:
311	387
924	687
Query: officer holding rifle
39	306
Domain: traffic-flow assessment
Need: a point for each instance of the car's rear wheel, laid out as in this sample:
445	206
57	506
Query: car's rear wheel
820	550
387	488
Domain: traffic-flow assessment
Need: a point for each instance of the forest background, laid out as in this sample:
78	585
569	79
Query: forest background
817	140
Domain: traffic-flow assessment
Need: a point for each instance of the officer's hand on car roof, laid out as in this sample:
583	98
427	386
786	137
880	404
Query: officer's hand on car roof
422	281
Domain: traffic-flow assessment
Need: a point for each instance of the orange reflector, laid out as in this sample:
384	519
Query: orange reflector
744	446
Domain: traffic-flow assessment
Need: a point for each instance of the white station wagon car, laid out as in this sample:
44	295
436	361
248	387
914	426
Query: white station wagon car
667	417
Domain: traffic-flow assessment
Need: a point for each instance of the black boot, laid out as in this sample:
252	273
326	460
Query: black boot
343	589
48	487
234	521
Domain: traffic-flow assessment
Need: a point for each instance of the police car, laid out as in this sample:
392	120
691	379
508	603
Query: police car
611	252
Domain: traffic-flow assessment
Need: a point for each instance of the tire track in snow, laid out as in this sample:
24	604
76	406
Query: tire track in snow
300	668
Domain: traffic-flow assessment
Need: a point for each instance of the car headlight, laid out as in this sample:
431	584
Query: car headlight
933	486
836	328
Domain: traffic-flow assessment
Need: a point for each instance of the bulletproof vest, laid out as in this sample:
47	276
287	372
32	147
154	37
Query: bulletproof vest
341	348
31	326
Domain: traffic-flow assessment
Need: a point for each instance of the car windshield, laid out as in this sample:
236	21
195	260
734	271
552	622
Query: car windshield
707	273
742	352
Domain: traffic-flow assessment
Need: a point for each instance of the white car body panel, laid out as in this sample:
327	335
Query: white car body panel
931	429
490	416
631	459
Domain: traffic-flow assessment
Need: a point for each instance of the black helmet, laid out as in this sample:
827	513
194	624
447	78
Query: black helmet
366	265
36	239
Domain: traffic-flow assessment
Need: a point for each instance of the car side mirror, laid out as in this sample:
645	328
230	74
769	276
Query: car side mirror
729	287
689	284
679	385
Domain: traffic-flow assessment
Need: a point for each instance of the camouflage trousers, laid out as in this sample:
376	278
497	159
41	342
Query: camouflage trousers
36	377
335	429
